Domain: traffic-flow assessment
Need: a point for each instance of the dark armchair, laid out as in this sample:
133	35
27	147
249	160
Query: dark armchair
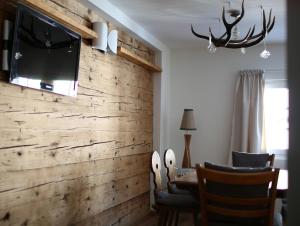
242	159
231	196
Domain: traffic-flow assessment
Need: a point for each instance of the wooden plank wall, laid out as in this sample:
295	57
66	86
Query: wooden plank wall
78	161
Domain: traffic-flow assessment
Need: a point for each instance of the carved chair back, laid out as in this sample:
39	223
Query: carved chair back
156	170
170	164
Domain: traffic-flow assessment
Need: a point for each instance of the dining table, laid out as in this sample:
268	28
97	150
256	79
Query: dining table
188	180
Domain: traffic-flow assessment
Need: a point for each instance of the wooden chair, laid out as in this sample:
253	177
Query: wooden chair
242	159
244	206
170	205
284	211
271	160
170	164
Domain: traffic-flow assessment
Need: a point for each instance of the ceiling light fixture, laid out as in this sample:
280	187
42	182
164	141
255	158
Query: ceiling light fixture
230	39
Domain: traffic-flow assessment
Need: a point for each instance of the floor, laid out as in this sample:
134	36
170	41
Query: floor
152	219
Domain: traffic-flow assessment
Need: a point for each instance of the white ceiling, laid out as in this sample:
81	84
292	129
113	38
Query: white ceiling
170	20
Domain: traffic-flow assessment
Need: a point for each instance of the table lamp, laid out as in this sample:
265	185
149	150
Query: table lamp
187	124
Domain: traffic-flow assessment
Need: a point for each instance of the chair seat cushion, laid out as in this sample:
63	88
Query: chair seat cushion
173	189
182	171
177	201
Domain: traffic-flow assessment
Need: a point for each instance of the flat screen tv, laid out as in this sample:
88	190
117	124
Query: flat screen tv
45	54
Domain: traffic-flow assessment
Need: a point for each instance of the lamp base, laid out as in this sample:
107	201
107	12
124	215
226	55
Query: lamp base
186	162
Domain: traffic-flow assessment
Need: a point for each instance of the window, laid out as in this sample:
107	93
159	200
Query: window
276	113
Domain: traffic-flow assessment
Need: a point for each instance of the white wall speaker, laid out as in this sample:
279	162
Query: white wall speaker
101	42
7	37
112	41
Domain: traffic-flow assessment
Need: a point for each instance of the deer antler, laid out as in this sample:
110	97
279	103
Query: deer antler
249	40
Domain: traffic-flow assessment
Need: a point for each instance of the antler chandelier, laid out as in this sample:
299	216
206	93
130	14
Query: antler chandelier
226	40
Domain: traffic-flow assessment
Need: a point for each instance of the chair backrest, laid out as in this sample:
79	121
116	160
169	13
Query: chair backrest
242	159
271	160
237	207
170	164
156	170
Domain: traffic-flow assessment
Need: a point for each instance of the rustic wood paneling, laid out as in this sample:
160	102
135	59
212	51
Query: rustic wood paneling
84	160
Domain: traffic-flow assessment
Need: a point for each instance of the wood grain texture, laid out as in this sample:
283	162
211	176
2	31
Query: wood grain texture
123	52
61	18
84	160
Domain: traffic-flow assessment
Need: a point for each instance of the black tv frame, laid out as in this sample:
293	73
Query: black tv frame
50	21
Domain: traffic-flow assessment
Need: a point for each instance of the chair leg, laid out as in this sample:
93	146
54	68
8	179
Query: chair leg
195	216
176	218
162	217
170	217
166	217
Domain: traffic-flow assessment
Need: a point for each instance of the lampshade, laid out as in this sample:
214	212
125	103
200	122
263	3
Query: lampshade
188	121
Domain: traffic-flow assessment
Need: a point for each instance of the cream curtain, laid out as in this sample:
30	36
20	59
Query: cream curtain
247	122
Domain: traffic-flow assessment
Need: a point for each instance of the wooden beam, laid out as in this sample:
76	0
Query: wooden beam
125	53
85	32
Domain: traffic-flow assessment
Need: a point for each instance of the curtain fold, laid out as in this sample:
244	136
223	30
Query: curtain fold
247	122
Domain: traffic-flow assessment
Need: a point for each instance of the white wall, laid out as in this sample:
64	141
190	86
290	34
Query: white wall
206	83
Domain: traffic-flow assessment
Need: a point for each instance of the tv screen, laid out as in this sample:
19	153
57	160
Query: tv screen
45	54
